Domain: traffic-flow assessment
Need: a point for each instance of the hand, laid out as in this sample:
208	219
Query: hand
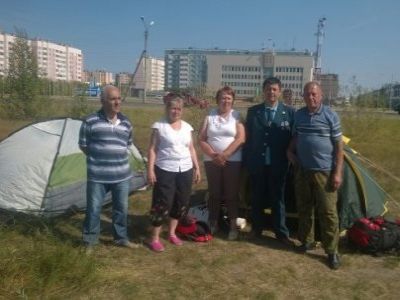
196	176
151	177
292	159
219	159
336	181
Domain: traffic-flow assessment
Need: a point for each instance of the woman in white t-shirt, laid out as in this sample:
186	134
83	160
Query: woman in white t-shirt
172	167
221	138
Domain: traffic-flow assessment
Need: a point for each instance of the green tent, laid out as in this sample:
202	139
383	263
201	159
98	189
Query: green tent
43	171
359	196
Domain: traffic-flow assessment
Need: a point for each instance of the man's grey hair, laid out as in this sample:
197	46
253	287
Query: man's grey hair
312	83
105	91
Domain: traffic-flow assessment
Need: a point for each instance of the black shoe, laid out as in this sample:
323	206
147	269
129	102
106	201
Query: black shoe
255	234
303	248
333	261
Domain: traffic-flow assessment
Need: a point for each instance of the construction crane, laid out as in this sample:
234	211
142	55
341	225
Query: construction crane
317	56
143	58
131	84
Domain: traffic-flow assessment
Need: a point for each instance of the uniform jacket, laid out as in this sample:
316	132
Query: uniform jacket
260	134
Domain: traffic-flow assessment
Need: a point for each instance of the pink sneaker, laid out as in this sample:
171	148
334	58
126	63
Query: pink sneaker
173	239
156	246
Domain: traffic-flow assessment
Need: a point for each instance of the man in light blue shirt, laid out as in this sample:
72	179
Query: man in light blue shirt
317	152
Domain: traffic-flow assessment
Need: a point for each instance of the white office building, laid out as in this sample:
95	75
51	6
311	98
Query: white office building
242	70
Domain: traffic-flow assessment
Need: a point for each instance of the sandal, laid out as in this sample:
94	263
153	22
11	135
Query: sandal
156	246
173	239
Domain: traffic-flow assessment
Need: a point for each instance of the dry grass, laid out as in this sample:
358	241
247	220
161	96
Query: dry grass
221	269
227	270
7	127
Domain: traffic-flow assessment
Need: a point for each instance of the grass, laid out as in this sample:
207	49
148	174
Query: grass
7	126
43	259
378	139
34	263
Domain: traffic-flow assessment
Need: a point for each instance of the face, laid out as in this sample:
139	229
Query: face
287	97
174	111
112	102
272	93
225	102
312	97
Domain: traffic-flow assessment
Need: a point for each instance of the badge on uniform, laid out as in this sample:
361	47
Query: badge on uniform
284	125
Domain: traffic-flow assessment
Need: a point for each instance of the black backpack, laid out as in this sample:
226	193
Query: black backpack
375	235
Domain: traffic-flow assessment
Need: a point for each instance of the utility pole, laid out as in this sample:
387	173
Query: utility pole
317	56
146	36
391	93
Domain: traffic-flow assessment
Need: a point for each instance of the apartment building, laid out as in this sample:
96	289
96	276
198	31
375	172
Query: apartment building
330	87
186	67
98	77
123	78
150	75
55	61
243	70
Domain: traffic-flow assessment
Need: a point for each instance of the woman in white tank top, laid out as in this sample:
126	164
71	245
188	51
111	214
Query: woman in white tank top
221	138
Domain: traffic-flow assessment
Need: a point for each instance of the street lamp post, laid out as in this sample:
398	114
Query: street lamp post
146	36
272	45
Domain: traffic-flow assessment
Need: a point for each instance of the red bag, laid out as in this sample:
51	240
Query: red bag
360	232
190	229
375	235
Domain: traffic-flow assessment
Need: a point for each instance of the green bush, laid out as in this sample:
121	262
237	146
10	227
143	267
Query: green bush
79	107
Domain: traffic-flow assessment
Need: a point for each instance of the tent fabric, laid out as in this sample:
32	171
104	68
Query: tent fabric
43	171
359	196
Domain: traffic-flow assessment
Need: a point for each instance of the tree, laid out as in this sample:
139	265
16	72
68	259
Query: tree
22	79
80	106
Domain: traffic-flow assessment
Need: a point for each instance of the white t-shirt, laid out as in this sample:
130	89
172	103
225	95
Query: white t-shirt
172	153
221	133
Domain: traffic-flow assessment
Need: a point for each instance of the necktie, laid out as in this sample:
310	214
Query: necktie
268	114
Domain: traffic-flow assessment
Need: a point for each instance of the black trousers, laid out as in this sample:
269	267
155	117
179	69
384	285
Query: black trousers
171	194
267	190
223	187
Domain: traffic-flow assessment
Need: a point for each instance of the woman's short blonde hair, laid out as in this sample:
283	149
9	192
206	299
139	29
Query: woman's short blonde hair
171	98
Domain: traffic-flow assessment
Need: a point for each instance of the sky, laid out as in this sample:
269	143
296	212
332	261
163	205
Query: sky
361	43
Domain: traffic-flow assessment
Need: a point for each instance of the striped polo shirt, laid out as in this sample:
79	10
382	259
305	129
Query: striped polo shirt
317	134
107	147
